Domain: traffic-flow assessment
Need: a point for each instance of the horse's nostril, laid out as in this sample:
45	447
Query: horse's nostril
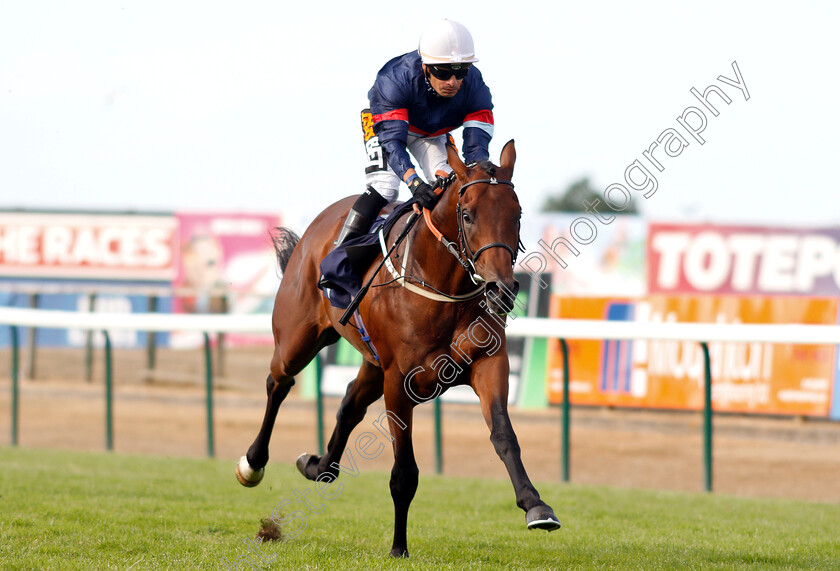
502	296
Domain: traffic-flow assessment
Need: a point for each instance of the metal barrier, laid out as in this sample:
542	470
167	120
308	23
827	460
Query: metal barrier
206	324
702	333
560	329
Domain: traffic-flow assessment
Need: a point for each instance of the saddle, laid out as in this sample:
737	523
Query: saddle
344	268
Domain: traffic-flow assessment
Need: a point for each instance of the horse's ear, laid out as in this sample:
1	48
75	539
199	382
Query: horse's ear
455	161
508	156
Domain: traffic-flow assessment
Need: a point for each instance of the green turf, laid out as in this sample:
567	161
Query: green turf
67	510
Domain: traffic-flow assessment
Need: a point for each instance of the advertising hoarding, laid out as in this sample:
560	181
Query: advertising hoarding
747	377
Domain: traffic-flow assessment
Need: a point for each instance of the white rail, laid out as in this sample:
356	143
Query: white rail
219	323
800	334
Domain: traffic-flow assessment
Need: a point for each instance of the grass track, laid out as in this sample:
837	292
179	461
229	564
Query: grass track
67	510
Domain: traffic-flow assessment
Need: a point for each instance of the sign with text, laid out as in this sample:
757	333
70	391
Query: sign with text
746	377
89	246
743	260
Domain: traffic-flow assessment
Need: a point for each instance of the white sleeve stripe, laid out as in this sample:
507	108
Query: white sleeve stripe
486	127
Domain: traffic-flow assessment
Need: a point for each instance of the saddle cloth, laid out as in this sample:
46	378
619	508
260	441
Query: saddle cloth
345	267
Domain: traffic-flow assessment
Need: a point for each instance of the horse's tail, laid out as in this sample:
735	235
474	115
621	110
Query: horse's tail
284	241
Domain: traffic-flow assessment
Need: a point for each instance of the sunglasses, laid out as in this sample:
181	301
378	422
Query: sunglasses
443	73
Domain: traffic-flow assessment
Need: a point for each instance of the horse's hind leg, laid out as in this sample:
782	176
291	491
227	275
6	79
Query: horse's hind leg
251	467
364	390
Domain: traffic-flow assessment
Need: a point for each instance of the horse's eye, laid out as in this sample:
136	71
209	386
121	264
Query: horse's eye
466	216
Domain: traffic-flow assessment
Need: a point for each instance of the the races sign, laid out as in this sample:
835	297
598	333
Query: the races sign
90	246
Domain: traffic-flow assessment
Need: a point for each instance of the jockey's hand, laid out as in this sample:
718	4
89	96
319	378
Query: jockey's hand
422	192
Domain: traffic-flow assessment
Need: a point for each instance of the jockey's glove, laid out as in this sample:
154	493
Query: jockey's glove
422	192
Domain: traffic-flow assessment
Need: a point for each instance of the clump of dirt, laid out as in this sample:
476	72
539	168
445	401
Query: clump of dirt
269	531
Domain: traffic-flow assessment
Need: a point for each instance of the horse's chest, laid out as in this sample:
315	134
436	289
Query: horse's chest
477	338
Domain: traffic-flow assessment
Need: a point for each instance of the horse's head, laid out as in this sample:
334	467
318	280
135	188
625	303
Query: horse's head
488	213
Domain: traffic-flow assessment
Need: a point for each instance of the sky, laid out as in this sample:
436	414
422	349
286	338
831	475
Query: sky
254	106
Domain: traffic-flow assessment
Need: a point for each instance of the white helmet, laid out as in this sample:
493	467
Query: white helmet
446	42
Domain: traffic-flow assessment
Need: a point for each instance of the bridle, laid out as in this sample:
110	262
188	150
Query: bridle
463	253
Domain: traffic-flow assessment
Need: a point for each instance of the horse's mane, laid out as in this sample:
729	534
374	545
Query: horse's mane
487	166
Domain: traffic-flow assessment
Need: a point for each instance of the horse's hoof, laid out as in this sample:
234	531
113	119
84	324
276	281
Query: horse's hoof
246	475
397	553
303	463
542	517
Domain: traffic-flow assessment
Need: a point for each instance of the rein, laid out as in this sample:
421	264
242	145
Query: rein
403	279
461	252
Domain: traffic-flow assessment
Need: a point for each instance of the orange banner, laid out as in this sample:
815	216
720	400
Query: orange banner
746	377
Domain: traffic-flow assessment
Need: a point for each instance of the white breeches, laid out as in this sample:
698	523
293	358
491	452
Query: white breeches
430	154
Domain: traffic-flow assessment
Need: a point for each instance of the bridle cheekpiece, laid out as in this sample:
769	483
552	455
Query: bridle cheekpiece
463	253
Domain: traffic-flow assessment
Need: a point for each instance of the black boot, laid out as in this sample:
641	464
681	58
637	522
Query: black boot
361	216
358	221
355	225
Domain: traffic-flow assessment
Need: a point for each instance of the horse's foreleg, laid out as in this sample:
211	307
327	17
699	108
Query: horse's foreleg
251	467
404	475
364	390
492	393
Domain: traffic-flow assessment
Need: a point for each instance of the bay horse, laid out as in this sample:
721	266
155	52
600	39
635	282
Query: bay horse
417	347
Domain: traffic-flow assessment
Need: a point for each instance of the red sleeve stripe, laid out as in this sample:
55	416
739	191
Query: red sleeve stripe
415	131
394	115
483	116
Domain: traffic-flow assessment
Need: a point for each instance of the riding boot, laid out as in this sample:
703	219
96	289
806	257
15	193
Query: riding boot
358	221
355	225
361	216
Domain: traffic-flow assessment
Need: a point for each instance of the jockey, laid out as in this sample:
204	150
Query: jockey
416	100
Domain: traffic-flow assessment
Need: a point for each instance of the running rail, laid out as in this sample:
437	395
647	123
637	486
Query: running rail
206	323
560	329
801	334
702	333
105	322
796	334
